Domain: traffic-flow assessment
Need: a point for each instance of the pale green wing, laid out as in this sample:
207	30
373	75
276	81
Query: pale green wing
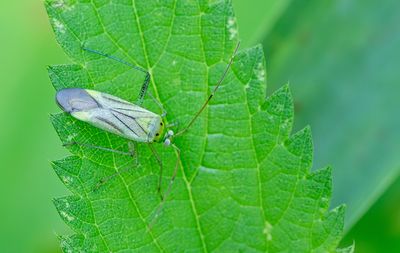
112	114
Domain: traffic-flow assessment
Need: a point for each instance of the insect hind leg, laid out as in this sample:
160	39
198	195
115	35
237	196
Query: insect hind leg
99	148
160	163
168	190
146	82
143	90
134	151
158	103
104	180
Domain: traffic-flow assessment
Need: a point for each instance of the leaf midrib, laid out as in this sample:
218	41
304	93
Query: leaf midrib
142	39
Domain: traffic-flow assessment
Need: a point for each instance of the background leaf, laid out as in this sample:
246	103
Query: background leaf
244	182
258	17
382	216
27	183
342	59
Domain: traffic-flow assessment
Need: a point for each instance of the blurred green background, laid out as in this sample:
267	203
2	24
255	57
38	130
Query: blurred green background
342	59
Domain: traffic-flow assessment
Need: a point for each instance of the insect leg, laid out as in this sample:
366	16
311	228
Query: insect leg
104	180
164	112
173	124
146	82
168	191
157	156
143	90
133	149
98	147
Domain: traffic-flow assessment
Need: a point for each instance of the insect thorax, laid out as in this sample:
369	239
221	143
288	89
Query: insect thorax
157	131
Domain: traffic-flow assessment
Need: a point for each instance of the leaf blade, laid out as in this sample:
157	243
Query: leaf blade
218	201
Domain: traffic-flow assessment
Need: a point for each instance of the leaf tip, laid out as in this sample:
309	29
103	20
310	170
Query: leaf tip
259	48
341	209
53	164
327	170
301	144
53	118
286	88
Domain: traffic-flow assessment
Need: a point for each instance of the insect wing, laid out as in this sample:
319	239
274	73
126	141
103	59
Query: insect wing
110	113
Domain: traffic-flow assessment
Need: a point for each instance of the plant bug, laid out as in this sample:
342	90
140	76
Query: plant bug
128	120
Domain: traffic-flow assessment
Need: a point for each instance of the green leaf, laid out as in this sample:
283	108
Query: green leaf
244	183
342	60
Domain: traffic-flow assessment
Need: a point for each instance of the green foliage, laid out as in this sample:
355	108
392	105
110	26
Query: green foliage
258	17
244	183
342	59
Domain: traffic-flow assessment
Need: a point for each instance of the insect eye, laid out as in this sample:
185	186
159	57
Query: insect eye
157	134
161	124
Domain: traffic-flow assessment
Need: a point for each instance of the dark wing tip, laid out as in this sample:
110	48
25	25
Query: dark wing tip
74	100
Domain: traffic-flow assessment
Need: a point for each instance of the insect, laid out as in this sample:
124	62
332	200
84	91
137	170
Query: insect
126	119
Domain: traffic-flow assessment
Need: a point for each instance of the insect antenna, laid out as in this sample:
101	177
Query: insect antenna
146	82
212	93
160	163
168	190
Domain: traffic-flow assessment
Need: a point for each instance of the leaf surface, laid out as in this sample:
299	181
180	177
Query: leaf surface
244	182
